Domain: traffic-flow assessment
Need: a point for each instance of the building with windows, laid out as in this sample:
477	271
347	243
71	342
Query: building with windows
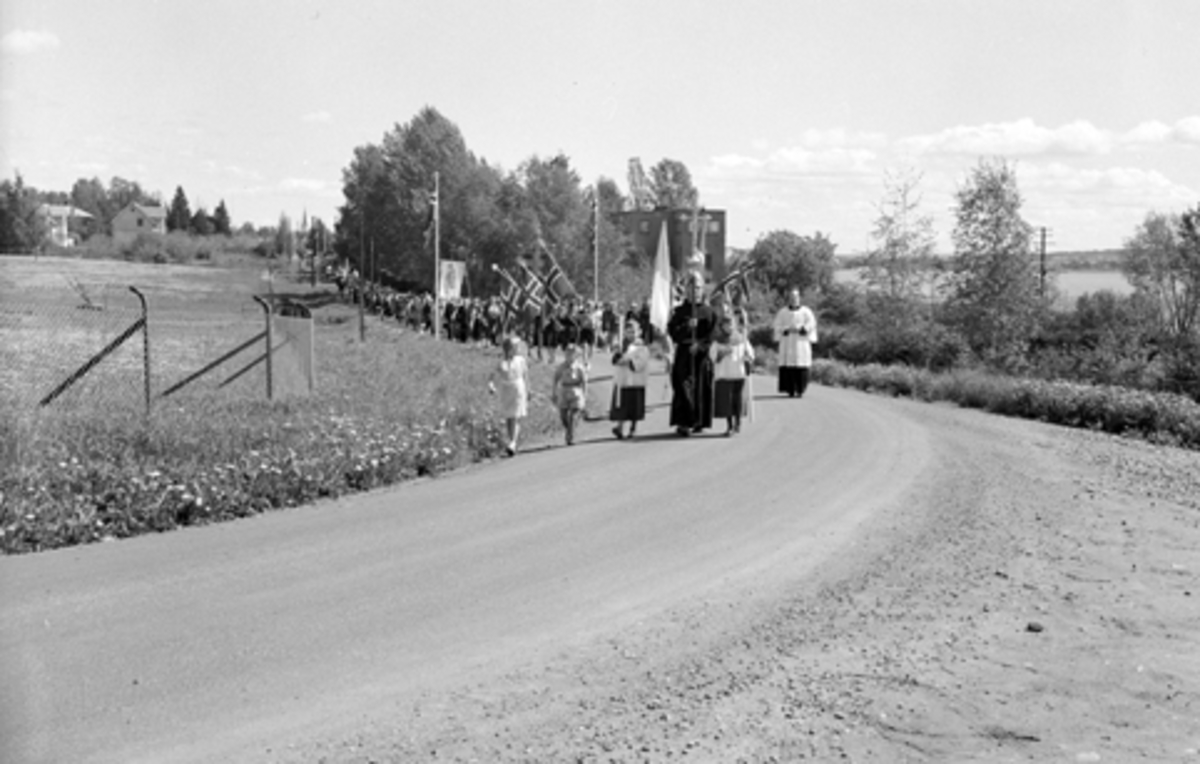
685	229
58	222
138	218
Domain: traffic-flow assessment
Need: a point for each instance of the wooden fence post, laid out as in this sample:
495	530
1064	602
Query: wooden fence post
267	308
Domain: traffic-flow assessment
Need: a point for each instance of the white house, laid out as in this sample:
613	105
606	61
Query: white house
58	220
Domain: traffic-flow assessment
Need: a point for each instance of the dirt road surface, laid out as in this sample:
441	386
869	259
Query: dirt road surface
852	578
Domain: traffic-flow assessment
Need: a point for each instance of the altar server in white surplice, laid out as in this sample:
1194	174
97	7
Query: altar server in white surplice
795	331
631	364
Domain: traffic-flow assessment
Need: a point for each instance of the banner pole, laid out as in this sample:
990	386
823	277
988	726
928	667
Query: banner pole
437	258
596	247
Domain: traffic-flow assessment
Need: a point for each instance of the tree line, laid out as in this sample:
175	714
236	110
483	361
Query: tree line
488	216
23	228
989	304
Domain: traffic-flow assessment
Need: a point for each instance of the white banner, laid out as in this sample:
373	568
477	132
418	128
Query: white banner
660	286
454	272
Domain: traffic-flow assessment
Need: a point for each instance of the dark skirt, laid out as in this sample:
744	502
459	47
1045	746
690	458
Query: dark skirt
793	380
727	398
629	404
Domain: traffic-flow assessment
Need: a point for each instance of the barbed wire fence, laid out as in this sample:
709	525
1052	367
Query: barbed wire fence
99	348
53	343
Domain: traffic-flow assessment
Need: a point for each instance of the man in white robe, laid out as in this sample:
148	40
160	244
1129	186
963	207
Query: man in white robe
795	330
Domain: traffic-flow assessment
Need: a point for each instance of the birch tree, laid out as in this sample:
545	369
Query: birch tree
993	289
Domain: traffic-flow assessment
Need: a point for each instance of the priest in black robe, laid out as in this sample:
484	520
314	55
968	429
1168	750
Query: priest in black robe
691	329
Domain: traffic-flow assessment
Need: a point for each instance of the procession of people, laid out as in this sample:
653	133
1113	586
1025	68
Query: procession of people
705	344
709	360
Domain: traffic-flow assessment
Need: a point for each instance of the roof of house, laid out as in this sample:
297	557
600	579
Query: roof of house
145	210
65	211
149	210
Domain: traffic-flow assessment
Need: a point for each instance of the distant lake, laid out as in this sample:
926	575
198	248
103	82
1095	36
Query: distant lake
1074	284
1070	284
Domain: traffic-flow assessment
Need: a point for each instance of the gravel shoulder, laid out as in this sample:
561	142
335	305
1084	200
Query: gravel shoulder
1035	596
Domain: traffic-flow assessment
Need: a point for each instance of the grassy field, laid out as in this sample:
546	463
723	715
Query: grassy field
56	313
395	407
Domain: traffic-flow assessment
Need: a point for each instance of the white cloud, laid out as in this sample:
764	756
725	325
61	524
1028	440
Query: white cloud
1090	185
24	41
1022	137
1187	130
1026	138
829	160
1125	183
317	117
1148	132
1097	208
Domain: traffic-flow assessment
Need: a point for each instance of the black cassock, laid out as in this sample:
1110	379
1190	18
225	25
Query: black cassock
692	370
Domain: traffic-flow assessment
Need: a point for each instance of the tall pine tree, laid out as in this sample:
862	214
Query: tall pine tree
220	220
179	216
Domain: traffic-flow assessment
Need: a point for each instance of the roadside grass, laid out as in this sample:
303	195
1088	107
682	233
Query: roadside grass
1158	417
396	407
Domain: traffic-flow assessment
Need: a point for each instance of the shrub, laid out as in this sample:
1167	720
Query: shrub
1162	417
762	336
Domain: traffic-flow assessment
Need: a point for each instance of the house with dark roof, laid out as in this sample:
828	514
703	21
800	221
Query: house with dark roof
138	218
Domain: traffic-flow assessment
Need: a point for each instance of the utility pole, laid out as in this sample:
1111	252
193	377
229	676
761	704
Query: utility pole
596	245
314	254
362	269
437	258
1042	270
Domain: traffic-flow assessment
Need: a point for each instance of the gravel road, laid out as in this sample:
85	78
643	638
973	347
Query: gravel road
853	578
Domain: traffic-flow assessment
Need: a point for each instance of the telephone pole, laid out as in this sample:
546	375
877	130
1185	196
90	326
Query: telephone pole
437	256
596	245
1042	270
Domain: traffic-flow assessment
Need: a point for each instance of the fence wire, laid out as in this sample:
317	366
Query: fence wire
191	329
48	335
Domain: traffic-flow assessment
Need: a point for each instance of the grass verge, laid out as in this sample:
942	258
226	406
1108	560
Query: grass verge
1159	417
398	407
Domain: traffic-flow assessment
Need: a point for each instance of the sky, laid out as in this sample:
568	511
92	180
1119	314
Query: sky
789	114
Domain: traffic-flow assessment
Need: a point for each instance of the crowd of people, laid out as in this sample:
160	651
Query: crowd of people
706	344
547	330
710	362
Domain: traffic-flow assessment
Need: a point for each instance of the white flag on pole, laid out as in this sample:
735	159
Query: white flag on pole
453	274
660	290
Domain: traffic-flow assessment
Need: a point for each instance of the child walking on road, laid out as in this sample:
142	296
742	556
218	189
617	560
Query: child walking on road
630	366
732	355
570	390
513	375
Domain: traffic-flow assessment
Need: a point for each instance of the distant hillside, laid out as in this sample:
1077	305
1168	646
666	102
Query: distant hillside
1088	260
1083	260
